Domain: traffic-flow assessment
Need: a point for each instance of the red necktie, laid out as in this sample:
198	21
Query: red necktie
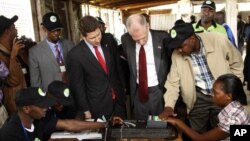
100	59
143	79
104	67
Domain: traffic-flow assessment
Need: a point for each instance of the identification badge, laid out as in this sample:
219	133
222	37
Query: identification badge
24	70
62	69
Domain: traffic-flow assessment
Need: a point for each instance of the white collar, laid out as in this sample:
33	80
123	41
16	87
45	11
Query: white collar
32	128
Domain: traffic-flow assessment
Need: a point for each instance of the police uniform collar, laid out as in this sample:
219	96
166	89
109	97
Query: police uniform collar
199	24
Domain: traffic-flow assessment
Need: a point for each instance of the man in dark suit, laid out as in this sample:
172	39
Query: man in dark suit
123	69
146	96
93	75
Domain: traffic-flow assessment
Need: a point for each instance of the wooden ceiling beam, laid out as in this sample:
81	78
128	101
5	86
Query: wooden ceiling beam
113	5
145	4
156	12
81	1
126	4
109	2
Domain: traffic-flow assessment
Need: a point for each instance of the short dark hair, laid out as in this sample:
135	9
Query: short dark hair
192	17
232	84
146	17
239	16
180	21
88	24
221	13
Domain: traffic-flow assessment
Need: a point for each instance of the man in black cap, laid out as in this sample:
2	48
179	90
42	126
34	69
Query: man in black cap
9	50
64	106
102	27
47	59
198	59
207	23
32	122
102	24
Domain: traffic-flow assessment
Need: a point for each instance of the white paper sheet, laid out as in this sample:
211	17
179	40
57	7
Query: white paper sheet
79	136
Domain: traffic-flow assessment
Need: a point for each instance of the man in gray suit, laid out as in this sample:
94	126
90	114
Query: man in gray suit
46	59
149	62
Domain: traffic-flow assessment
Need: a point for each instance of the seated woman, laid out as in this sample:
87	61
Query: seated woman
228	93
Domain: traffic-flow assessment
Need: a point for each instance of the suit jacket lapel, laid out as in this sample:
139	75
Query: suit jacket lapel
90	56
64	50
132	56
48	52
157	51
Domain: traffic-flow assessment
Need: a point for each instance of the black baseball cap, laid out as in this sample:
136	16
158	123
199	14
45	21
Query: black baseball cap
60	91
208	4
33	96
6	22
99	19
179	33
51	21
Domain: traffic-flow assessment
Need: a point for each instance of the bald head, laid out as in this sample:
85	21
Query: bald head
138	28
135	21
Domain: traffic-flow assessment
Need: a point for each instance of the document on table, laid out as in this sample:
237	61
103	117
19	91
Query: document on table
80	135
